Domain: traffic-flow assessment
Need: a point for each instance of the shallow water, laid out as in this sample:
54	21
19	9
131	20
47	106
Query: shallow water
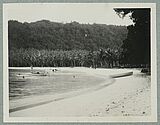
22	83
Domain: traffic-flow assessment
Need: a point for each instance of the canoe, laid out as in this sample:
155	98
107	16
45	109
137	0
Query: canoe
122	75
38	74
18	81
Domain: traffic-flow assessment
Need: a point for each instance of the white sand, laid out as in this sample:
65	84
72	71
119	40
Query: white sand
127	96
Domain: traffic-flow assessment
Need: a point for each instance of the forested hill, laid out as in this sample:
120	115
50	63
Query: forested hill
59	36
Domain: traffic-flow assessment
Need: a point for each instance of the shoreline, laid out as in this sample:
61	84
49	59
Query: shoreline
42	99
112	103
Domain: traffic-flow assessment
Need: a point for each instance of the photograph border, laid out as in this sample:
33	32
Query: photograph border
153	75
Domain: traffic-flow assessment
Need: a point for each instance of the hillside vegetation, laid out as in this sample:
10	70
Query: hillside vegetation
58	36
45	43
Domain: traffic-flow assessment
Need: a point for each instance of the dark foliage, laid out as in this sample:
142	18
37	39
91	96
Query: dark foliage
45	43
136	48
60	58
58	36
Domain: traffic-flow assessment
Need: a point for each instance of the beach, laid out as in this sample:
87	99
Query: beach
123	96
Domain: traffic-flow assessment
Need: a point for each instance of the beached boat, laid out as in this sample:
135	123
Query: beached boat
122	75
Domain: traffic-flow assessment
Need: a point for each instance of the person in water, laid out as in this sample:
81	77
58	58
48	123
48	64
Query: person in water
31	69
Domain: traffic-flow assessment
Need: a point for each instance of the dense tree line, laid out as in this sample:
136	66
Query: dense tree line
45	43
60	58
58	36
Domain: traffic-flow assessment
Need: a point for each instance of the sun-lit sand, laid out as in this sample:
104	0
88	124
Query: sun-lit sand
124	96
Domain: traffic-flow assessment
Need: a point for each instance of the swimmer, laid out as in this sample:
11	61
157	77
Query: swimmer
31	69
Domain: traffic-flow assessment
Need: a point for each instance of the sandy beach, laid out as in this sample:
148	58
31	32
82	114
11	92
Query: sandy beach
126	96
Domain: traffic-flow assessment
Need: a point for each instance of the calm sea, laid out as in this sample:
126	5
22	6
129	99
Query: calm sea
22	83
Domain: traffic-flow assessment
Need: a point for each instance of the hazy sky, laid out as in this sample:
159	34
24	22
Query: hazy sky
82	13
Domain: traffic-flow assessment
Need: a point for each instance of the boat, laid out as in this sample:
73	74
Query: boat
38	74
122	75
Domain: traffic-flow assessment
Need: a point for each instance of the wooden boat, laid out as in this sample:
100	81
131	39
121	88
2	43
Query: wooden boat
122	75
38	74
18	81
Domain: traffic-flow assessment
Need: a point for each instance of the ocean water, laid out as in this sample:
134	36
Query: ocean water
23	83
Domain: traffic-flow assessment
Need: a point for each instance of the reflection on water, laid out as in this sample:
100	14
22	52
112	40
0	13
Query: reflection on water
22	83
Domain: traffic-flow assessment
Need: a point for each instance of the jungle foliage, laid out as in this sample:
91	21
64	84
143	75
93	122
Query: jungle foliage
58	36
45	43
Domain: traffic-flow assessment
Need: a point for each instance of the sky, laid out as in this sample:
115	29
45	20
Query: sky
65	13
